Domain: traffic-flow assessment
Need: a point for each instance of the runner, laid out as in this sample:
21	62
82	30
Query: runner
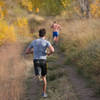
56	28
40	52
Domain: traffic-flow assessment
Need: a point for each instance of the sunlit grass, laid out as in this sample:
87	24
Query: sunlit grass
81	43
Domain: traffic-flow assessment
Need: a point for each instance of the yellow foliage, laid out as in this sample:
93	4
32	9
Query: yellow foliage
30	7
22	22
7	33
95	9
2	3
27	4
23	27
2	9
66	3
1	13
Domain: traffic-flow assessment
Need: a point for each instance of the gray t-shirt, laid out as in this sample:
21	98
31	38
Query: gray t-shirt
40	46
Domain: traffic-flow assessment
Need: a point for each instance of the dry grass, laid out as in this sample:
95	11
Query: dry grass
12	73
81	43
12	66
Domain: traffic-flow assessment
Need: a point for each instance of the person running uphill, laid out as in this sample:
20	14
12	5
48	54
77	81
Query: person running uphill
40	55
56	28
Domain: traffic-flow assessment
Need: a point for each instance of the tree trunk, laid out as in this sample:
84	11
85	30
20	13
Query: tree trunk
84	6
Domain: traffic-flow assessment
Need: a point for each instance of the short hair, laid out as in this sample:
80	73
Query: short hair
42	32
55	22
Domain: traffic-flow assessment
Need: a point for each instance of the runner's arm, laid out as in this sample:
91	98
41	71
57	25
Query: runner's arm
52	26
51	50
29	48
28	51
60	27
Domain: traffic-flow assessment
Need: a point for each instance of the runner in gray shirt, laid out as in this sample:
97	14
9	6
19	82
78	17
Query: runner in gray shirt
40	55
40	46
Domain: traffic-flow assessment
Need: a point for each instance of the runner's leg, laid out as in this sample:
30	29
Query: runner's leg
37	69
45	84
44	72
55	39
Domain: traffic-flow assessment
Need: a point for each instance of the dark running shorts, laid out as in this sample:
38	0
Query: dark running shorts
42	64
55	34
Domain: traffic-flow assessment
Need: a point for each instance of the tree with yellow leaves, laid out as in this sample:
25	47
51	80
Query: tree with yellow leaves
95	9
2	9
7	32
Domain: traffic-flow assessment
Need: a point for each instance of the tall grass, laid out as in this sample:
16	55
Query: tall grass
81	44
12	73
12	65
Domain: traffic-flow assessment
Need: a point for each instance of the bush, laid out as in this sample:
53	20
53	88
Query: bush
7	32
89	61
82	48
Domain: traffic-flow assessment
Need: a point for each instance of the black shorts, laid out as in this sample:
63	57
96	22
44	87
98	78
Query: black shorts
42	64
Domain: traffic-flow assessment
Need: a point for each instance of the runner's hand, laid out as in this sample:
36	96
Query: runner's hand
49	53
